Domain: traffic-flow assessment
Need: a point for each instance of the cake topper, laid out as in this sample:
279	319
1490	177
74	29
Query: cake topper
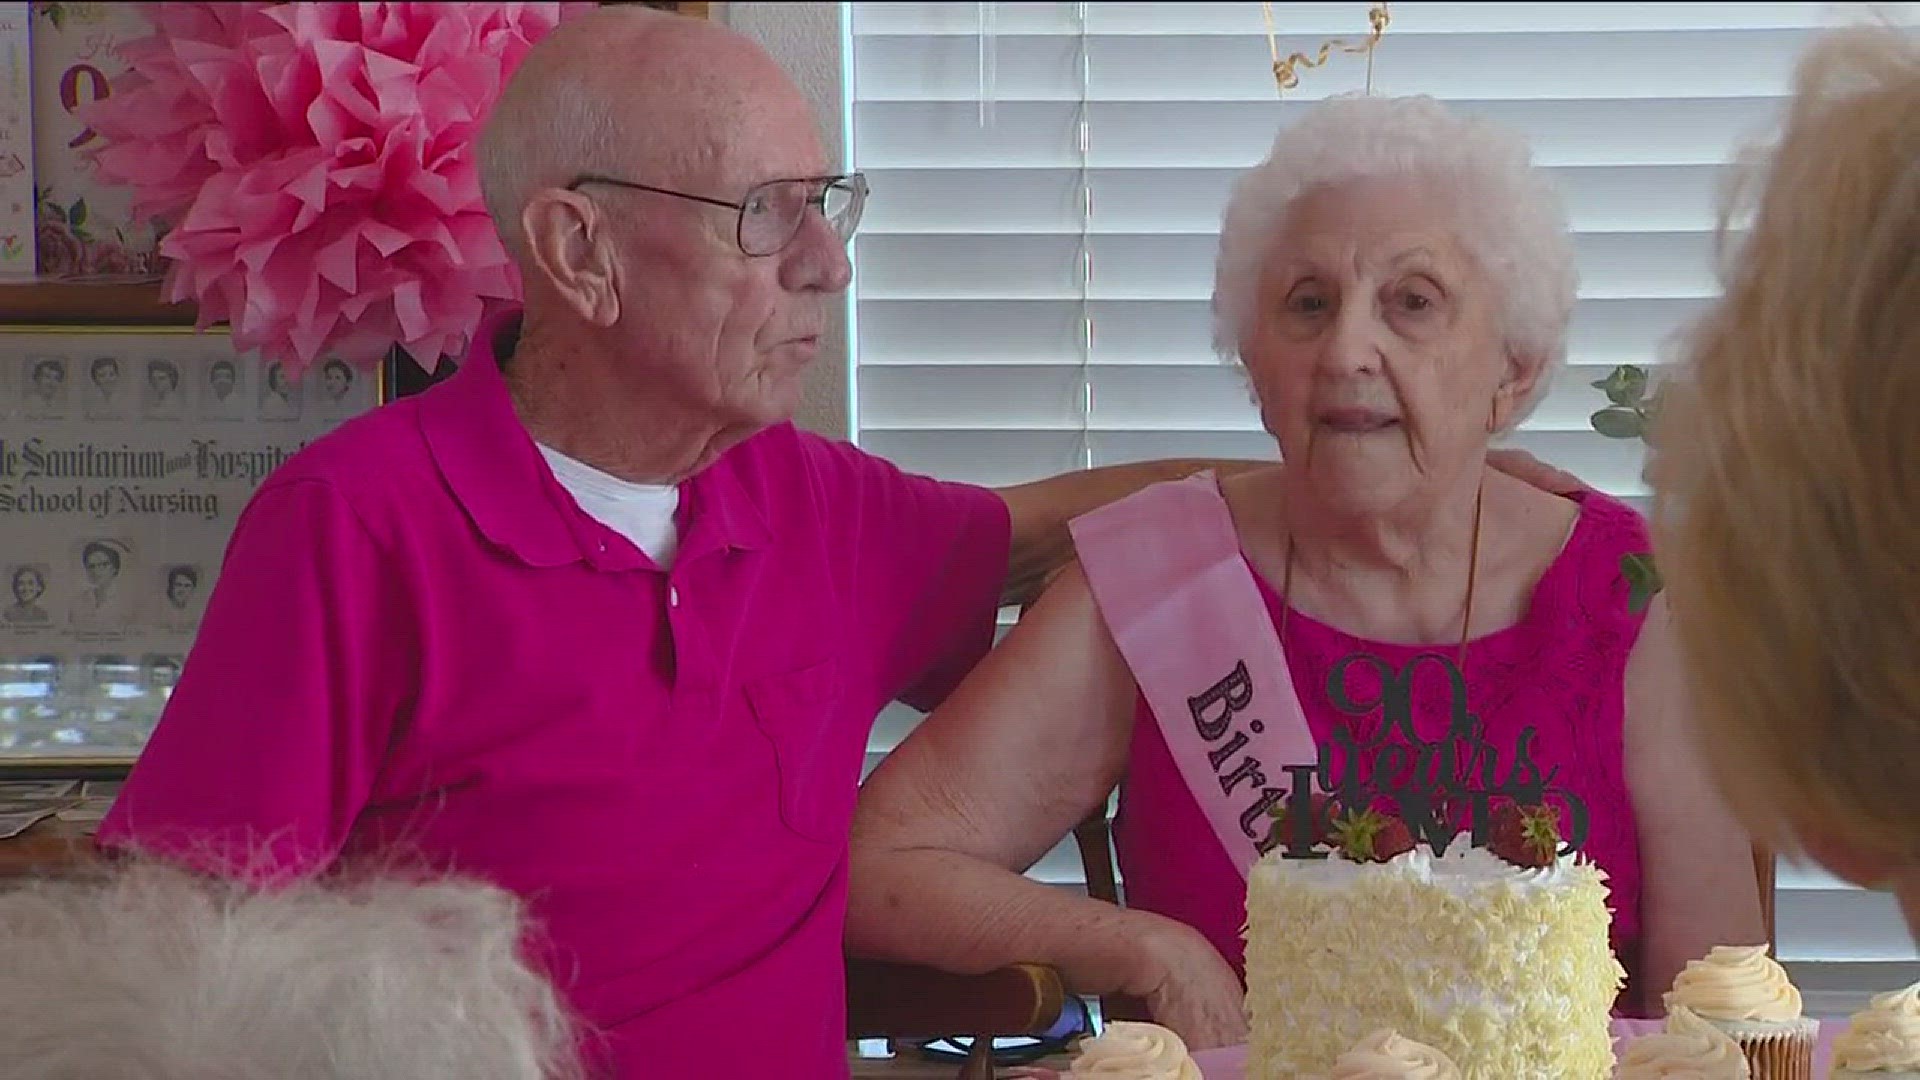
1507	795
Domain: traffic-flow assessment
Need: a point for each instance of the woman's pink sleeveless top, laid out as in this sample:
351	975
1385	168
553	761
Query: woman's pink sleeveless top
1559	670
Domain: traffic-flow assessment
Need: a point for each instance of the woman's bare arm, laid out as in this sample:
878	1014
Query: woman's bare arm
1698	887
1024	750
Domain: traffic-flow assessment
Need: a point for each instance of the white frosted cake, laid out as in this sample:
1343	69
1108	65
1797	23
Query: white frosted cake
1503	968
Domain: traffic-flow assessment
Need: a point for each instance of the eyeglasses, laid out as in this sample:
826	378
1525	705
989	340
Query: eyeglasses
772	213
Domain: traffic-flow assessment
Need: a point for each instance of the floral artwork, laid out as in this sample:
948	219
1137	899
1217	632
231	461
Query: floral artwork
83	226
70	246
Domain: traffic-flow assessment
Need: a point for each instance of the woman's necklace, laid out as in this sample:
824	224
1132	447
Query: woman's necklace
1473	568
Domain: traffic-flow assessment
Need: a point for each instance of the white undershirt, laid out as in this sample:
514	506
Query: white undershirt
643	513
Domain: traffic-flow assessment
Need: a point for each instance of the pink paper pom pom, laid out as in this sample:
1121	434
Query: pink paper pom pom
315	165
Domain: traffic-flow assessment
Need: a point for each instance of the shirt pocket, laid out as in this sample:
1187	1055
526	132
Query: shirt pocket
816	747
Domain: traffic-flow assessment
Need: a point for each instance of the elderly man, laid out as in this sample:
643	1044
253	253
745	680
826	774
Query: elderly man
591	619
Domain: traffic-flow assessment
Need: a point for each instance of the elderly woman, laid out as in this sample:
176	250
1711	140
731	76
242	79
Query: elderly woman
1789	520
149	972
1398	282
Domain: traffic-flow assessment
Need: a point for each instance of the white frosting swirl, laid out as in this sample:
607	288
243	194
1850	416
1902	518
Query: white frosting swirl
1385	1055
1689	1049
1128	1050
1884	1037
1736	982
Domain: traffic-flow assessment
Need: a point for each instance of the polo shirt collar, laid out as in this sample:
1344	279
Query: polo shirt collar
497	475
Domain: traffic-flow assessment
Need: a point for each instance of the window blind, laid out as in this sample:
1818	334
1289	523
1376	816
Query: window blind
1033	275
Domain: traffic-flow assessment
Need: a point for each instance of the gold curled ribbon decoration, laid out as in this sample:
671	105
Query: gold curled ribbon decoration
1286	75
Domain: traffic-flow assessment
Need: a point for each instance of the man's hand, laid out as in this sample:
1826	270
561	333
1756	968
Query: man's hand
1525	467
1040	511
1193	990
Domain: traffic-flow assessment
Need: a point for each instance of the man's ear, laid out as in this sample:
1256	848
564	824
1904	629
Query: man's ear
1518	381
570	244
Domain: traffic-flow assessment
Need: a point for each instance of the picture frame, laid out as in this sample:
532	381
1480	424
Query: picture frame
126	455
17	195
85	228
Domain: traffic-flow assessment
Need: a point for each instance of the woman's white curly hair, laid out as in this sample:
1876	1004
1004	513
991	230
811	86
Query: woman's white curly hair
148	973
1507	214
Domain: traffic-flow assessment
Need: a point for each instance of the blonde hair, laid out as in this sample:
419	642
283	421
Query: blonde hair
150	973
1788	474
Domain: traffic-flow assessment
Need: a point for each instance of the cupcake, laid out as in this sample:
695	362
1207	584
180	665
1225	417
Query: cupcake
1883	1040
1689	1049
1385	1055
1134	1051
1744	993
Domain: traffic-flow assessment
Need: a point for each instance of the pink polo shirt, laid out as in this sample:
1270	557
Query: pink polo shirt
421	649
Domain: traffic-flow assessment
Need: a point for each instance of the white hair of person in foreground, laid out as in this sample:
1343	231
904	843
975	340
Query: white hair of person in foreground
1505	213
150	973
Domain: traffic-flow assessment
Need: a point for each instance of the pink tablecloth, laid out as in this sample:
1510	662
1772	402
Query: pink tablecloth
1231	1063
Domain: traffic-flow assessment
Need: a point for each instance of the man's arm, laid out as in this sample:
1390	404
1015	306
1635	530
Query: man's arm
270	743
1041	510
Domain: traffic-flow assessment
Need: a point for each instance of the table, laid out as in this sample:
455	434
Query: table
50	846
1231	1063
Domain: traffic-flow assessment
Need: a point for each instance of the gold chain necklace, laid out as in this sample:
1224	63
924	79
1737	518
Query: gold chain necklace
1473	569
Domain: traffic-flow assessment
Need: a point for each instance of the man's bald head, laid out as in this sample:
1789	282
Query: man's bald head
627	92
642	299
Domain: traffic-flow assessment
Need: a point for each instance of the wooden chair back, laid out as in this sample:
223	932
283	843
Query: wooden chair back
902	1001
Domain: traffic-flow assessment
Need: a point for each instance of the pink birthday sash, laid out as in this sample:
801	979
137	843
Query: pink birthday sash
1183	607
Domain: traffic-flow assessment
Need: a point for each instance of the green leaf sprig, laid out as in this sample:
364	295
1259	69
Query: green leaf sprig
1629	414
1643	580
1630	410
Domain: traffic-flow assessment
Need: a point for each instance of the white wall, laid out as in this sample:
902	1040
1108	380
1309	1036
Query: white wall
806	39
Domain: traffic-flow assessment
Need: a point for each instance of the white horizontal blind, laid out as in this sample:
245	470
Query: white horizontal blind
1036	261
